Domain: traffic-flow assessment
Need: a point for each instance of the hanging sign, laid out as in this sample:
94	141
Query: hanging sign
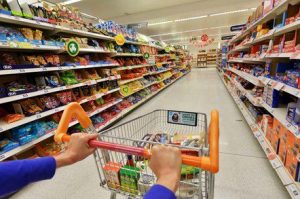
72	47
168	49
204	38
120	40
237	27
228	37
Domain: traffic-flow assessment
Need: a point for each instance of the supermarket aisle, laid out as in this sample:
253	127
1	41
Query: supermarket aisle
244	171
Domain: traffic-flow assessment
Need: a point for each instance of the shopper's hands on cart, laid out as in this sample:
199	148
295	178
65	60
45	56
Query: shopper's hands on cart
77	149
165	162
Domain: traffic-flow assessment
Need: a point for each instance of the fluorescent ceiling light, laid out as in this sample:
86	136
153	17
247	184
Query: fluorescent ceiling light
190	18
69	2
230	12
200	17
159	23
195	30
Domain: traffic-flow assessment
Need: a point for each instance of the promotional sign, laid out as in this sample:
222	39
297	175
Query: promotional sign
146	55
72	47
182	118
237	27
120	40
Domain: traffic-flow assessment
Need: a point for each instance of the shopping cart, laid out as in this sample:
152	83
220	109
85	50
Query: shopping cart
124	150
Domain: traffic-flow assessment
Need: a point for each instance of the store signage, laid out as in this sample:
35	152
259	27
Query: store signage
146	55
237	27
228	37
183	118
72	47
167	49
120	40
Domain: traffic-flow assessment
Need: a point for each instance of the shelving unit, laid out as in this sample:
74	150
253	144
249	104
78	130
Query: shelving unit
108	61
253	57
292	187
202	59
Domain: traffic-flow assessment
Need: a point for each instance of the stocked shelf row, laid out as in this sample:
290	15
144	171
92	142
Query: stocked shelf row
292	187
52	90
271	14
53	29
120	115
278	113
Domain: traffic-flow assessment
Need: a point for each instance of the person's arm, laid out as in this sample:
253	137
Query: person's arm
16	174
166	165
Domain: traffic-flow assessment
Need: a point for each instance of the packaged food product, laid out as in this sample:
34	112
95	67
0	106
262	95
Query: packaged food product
10	118
27	33
111	172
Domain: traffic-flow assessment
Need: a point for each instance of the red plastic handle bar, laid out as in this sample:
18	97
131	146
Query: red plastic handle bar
208	163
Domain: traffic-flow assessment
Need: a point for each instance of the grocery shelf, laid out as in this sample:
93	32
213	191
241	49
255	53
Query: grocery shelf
32	47
238	49
51	133
95	50
280	86
254	80
162	55
270	15
131	108
50	69
133	67
122	82
52	28
288	28
292	187
57	89
157	72
127	55
265	37
247	60
279	55
5	126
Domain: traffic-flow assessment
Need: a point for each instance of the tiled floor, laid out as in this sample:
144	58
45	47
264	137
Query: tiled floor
245	173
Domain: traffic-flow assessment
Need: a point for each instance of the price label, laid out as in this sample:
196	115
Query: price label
297	134
44	69
62	88
60	68
293	190
56	110
24	45
22	70
46	91
1	129
92	98
297	93
129	67
38	116
25	95
275	163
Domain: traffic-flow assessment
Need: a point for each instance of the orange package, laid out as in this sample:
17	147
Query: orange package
10	118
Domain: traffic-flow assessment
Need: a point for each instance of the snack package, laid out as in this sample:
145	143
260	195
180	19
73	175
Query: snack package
27	33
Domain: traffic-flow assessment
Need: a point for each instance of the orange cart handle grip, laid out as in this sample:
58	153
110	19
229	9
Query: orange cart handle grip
73	110
208	163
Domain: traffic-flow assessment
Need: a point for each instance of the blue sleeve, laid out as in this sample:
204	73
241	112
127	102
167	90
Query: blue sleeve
159	192
16	174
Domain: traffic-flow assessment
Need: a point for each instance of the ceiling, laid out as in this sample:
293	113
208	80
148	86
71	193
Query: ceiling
156	11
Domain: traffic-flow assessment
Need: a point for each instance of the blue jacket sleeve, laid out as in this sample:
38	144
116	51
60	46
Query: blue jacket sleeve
159	192
16	174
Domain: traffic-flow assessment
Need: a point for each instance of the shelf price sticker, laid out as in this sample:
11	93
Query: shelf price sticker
294	191
295	55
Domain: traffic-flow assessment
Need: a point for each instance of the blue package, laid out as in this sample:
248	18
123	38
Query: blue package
21	131
26	139
7	145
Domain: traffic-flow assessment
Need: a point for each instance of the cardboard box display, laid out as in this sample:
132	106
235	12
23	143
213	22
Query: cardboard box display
112	174
275	142
279	20
266	122
269	133
282	151
292	14
278	44
291	163
290	42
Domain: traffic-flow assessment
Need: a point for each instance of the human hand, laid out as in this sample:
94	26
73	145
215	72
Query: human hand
77	149
165	162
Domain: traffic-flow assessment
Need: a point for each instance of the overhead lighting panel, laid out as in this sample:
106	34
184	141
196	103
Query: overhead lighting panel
159	23
191	18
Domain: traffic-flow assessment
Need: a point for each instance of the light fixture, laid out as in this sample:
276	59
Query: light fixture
230	12
69	2
200	17
187	31
191	18
159	23
185	38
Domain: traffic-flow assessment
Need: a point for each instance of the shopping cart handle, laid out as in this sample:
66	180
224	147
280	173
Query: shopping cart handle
73	110
208	163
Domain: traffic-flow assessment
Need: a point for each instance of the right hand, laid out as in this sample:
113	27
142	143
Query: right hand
165	162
